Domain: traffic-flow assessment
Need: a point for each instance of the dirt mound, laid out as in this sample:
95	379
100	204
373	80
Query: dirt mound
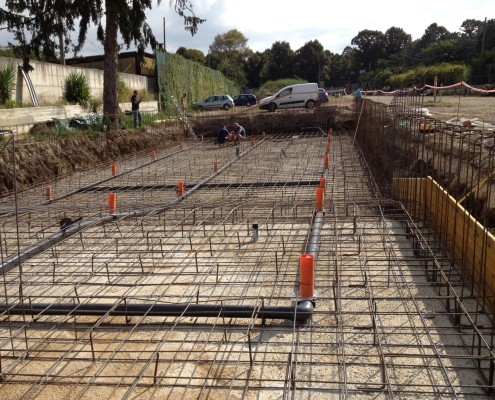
43	161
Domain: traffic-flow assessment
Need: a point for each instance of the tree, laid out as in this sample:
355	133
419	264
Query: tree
281	61
370	45
342	67
254	67
192	54
395	41
434	33
45	19
310	60
36	24
229	53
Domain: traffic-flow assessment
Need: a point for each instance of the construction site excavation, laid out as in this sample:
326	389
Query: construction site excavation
312	262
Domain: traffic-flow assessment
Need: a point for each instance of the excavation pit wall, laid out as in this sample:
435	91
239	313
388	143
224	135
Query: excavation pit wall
379	327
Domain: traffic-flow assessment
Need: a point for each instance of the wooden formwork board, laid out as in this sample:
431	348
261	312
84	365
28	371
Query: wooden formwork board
471	244
411	191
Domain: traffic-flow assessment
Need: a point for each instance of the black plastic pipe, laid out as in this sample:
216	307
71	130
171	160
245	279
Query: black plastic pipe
201	186
300	312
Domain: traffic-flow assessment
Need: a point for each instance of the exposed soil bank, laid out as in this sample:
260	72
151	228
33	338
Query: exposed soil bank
43	161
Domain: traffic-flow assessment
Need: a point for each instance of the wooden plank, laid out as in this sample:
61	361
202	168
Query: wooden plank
471	244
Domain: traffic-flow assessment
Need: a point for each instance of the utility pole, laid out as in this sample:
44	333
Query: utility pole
164	37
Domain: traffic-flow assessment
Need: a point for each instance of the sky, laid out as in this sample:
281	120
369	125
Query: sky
333	23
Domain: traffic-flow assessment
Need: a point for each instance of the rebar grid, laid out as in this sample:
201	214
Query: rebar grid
380	328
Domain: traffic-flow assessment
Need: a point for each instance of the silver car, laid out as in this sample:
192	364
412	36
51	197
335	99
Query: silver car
215	102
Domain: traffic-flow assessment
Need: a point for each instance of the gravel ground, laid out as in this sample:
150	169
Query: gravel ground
448	107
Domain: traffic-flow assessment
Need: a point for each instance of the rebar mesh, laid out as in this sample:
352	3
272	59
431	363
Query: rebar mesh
380	329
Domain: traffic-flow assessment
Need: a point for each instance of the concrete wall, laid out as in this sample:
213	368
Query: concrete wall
20	120
49	80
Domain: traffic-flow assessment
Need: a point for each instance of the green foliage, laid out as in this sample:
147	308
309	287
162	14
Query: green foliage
8	75
447	74
192	54
77	90
95	104
124	93
271	87
228	54
178	75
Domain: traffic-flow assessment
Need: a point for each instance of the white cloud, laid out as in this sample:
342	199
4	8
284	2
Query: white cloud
332	23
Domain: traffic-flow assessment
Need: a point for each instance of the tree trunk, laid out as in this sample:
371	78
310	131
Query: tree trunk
111	48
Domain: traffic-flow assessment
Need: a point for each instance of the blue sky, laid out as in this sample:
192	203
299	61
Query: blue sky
332	23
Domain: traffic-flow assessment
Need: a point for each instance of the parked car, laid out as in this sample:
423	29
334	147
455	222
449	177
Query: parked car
322	95
300	95
244	100
215	102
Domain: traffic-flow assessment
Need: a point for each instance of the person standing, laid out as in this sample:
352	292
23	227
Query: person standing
135	100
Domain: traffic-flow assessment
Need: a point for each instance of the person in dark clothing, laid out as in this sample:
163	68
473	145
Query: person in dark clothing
223	133
135	100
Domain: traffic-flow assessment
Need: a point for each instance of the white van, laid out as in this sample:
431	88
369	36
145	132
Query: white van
301	95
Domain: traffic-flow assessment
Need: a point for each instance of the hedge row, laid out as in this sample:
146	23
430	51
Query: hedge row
177	75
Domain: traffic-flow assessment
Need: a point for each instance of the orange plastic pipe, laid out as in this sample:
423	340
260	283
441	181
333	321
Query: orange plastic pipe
215	166
325	162
252	141
306	275
330	131
180	189
263	135
48	192
319	199
114	169
153	155
112	203
328	148
323	183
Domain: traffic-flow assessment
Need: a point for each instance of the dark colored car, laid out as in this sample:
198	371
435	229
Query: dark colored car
244	100
322	95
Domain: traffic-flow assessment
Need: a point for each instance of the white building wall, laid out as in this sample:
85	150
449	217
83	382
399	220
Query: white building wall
49	79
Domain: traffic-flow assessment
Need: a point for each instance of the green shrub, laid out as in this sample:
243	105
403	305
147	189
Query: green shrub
77	90
123	92
7	82
95	104
178	75
447	73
